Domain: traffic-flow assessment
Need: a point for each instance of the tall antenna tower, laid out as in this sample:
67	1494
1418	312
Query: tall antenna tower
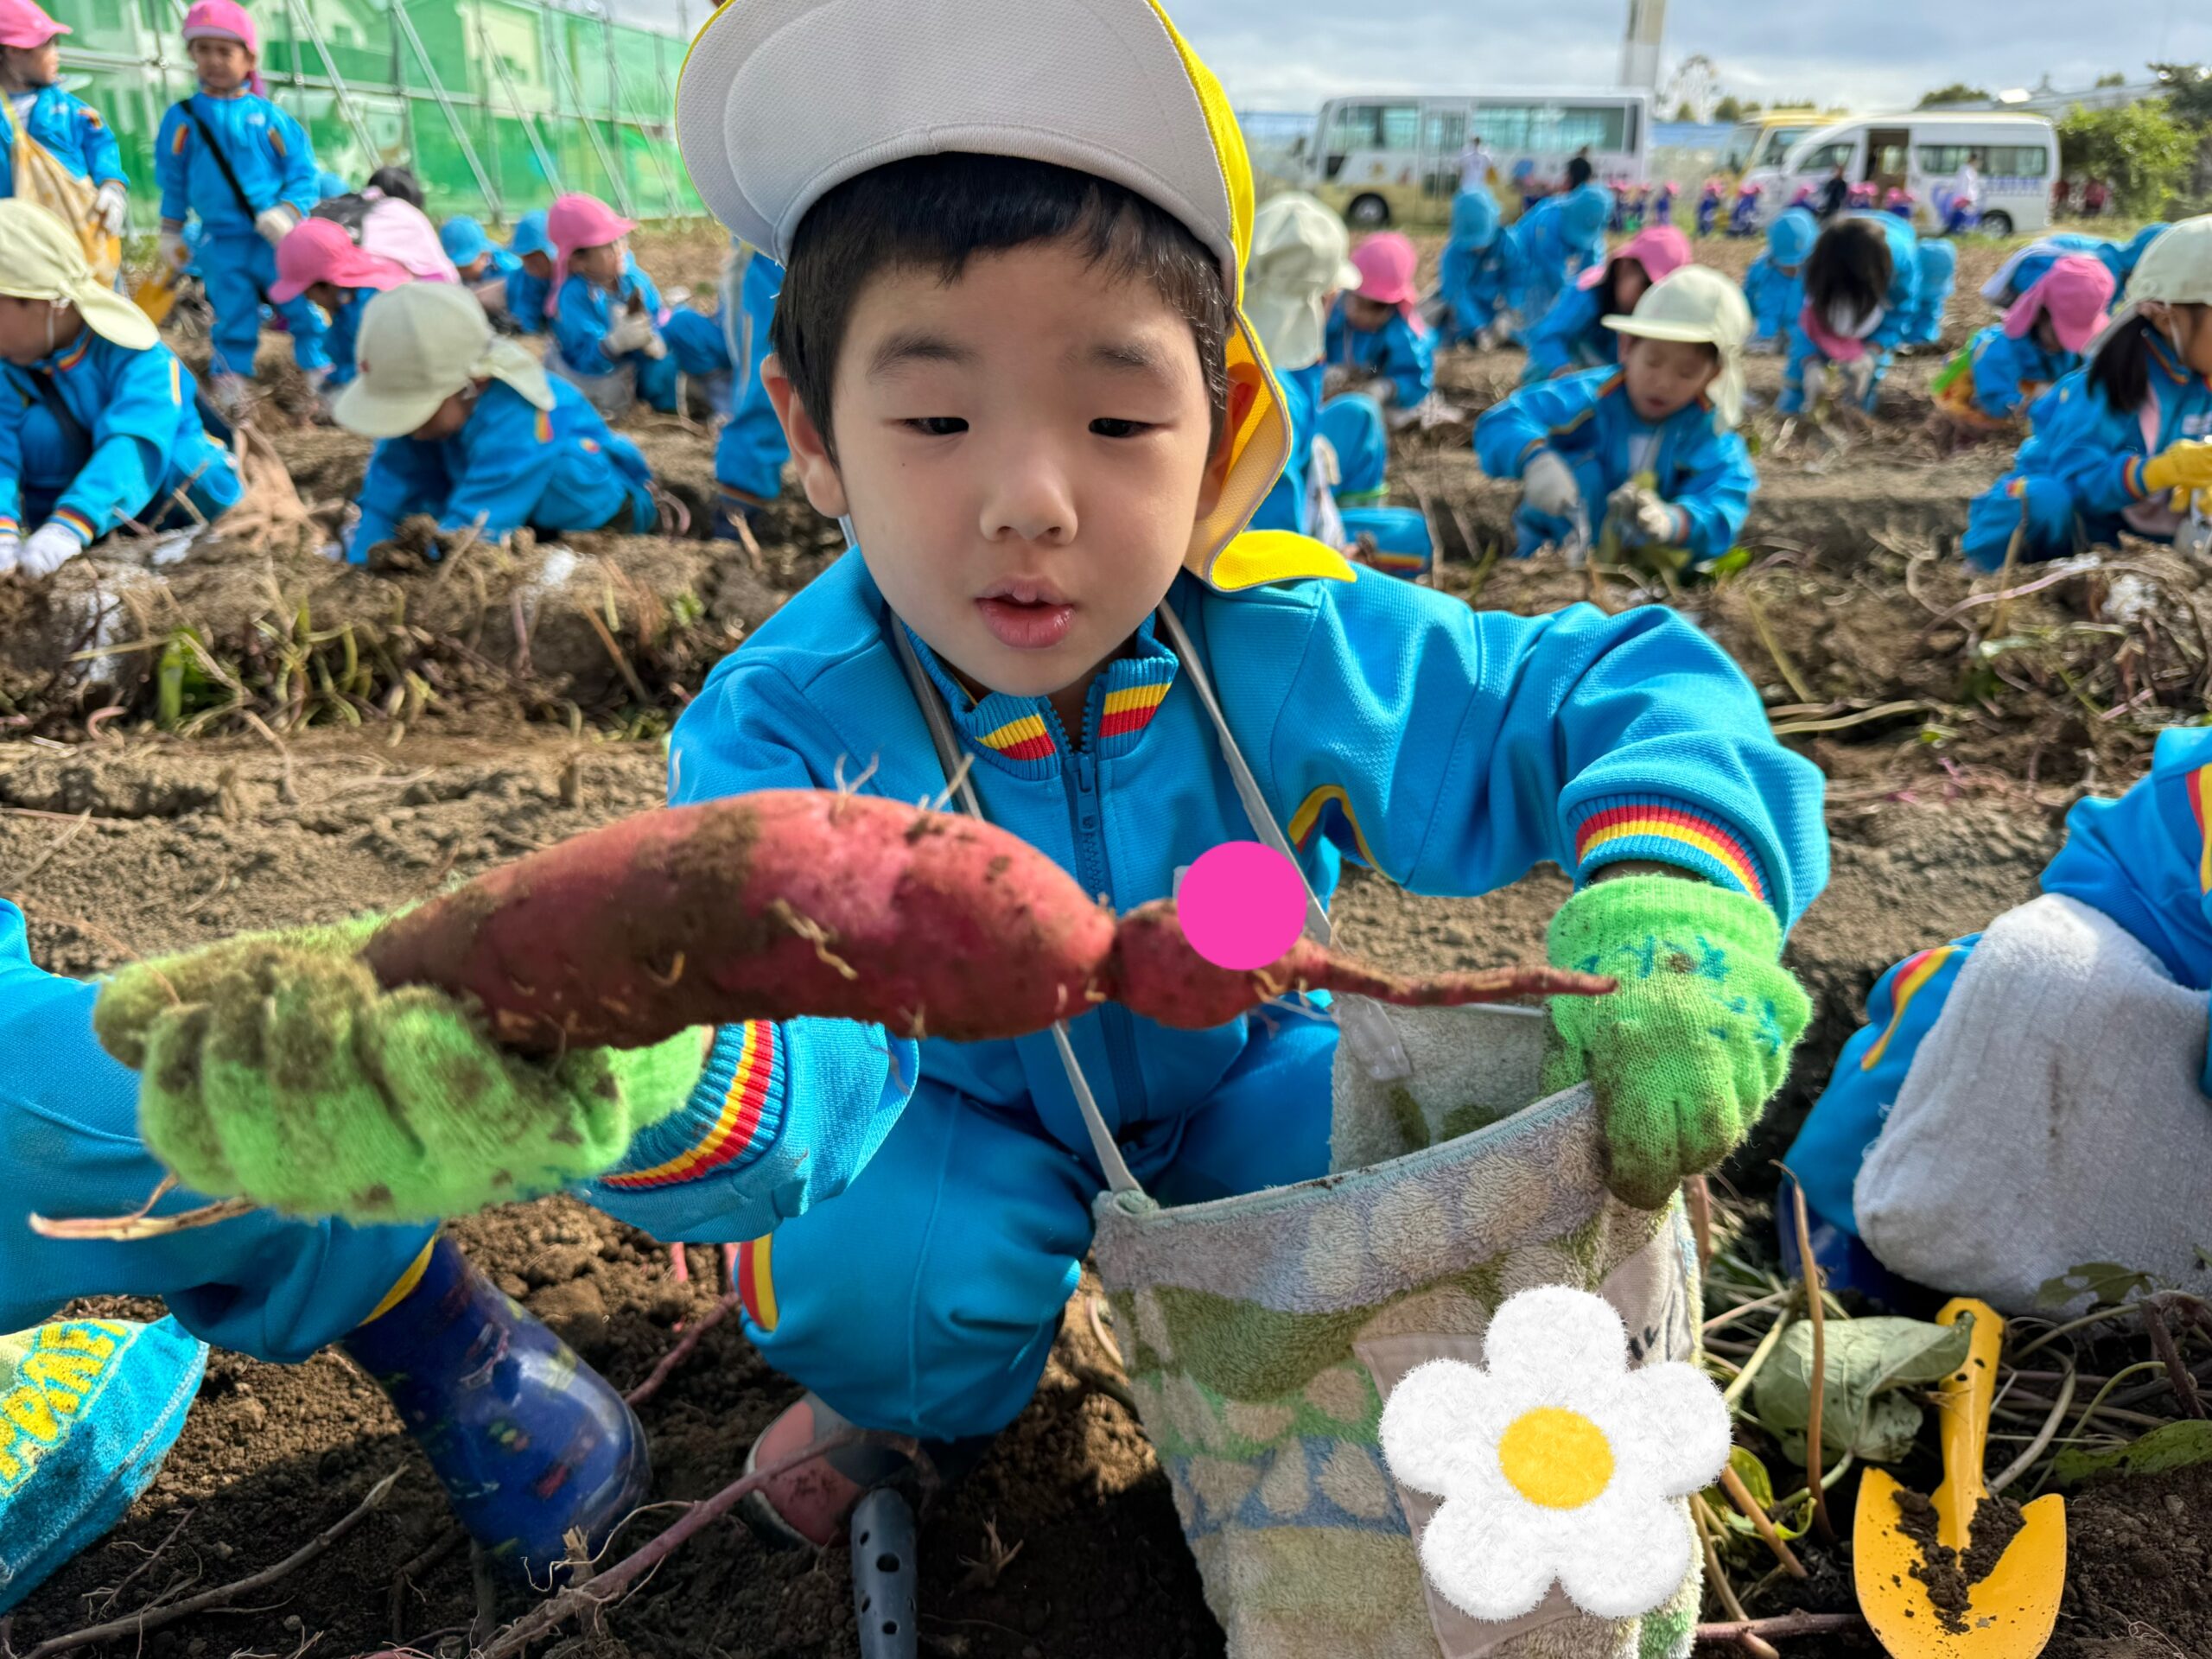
1647	23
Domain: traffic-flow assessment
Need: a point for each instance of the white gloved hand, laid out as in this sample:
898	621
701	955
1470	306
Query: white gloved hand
628	333
276	223
112	206
1642	517
655	347
11	546
52	545
1814	377
1855	379
175	254
1548	486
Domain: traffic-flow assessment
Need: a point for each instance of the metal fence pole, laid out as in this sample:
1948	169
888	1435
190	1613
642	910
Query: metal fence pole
453	116
660	162
575	93
552	168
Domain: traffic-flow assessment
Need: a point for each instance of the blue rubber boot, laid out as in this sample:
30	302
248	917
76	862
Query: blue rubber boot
528	1440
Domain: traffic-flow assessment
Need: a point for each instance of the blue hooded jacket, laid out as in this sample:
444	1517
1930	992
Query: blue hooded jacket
1898	308
1775	285
1552	242
586	311
2097	453
267	150
1470	274
1398	351
74	134
527	294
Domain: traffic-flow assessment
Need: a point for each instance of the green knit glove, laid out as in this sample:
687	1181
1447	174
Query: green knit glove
1687	1052
273	1066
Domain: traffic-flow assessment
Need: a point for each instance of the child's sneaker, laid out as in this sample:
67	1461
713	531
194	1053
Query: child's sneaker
812	1503
529	1442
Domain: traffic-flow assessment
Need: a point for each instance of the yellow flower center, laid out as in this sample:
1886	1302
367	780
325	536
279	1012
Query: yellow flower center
1557	1459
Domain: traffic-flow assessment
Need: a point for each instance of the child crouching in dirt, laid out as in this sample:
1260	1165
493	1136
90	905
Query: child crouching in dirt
2007	366
101	425
2123	444
1775	285
472	431
1862	281
1019	372
1377	345
1575	333
613	339
530	282
2034	1097
320	262
1647	451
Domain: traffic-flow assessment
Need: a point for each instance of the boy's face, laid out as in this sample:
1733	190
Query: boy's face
539	265
1366	315
31	66
223	64
28	329
452	415
602	265
474	269
1023	453
1666	375
329	296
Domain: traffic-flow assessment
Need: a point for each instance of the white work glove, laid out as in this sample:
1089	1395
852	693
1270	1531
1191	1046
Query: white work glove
52	545
1855	379
112	206
1641	516
11	546
632	332
655	347
276	223
1548	486
1814	377
175	254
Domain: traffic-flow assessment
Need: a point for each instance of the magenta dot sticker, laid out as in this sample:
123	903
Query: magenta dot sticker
1242	904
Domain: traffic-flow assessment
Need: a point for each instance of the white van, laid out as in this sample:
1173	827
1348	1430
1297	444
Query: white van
1922	152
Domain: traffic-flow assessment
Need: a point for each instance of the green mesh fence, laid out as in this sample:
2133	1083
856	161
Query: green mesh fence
498	105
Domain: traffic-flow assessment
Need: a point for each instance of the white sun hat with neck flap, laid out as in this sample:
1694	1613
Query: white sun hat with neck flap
780	101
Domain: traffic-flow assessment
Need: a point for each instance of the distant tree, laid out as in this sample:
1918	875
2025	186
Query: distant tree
1683	112
2139	149
2189	89
1751	106
2111	78
1957	92
1730	109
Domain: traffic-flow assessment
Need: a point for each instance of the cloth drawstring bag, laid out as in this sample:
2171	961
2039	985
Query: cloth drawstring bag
1262	1333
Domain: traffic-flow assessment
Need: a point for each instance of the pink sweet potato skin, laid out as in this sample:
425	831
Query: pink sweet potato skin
1154	971
765	907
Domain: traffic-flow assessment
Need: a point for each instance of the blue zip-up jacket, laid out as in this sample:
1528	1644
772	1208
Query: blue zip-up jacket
1551	244
1401	353
526	296
511	464
2008	372
1470	273
266	149
2032	263
1775	285
2098	452
139	411
1450	748
337	339
1699	466
1284	505
1571	336
1898	308
74	134
587	311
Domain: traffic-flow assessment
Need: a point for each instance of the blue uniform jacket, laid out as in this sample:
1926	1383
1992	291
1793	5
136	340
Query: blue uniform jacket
1470	273
1571	336
2097	452
265	147
1451	748
1698	465
1775	295
74	134
1401	353
2008	372
587	311
512	464
526	296
140	416
1899	308
1284	505
1551	244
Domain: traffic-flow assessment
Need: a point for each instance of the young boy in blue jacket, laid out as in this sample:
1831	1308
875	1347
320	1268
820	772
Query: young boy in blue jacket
1377	342
1018	371
1862	283
1775	285
530	282
2123	444
1576	333
1551	244
271	184
1471	272
1651	445
99	424
2009	365
471	431
63	124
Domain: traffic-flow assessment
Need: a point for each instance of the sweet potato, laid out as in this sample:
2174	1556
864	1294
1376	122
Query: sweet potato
1154	971
785	903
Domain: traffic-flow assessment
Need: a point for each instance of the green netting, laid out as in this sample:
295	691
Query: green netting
498	106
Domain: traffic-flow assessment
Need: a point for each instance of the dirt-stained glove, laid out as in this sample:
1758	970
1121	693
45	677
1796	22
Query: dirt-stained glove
52	545
631	331
1548	486
174	252
1813	377
1643	519
111	207
1855	379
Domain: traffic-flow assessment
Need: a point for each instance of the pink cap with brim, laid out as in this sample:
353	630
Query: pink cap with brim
574	223
1386	263
1661	250
23	25
2075	294
222	20
318	250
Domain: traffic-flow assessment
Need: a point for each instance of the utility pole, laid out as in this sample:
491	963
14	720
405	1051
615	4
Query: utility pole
1647	25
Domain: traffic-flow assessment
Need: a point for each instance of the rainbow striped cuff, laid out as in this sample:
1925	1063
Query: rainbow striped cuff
77	522
10	525
2131	476
1625	827
733	1118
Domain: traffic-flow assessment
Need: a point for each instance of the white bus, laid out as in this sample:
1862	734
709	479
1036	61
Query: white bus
1922	152
1391	159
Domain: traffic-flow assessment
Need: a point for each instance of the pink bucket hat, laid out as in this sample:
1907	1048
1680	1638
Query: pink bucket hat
2073	294
1661	250
318	250
574	223
22	24
222	20
1386	263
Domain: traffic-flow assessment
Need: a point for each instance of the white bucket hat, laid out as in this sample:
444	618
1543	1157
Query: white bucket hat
1696	305
780	101
41	258
1300	252
420	344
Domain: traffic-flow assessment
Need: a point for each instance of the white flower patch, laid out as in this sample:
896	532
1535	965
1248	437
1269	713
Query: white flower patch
1556	1462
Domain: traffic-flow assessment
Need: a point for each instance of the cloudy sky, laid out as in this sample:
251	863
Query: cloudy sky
1289	54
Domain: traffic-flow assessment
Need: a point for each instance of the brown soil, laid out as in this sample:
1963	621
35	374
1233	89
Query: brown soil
131	842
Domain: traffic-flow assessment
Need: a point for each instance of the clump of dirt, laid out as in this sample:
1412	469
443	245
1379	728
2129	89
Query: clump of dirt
1951	1574
2138	1554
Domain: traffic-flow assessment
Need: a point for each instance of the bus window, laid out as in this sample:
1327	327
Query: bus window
1401	127
1447	131
1826	158
1504	126
1591	127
